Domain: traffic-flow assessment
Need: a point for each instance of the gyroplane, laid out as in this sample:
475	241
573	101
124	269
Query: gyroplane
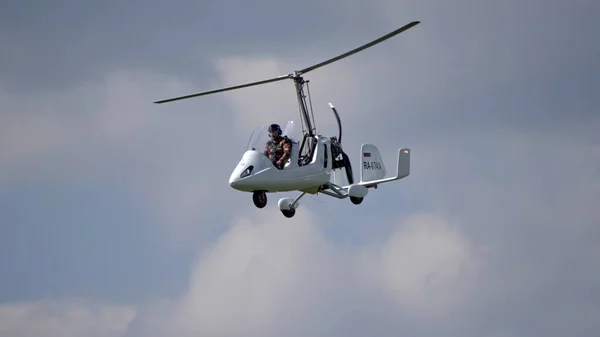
318	164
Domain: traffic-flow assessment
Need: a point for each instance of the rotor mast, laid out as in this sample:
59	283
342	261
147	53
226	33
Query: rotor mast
304	111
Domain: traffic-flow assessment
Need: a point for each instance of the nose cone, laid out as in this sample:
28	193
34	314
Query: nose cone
234	179
242	176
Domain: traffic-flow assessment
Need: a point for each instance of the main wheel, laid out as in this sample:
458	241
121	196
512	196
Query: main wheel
356	200
260	199
288	213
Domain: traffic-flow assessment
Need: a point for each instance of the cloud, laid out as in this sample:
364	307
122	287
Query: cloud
277	102
109	132
269	277
264	277
43	135
93	118
426	264
64	318
499	217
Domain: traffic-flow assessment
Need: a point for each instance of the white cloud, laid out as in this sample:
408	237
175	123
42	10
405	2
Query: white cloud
110	132
91	118
246	279
270	277
258	105
273	276
64	318
426	264
23	140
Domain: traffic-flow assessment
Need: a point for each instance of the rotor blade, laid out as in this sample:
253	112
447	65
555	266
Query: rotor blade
370	44
279	78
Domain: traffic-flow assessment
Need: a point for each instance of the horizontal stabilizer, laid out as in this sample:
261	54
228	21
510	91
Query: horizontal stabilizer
372	173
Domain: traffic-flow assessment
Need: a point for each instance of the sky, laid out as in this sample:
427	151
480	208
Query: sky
116	218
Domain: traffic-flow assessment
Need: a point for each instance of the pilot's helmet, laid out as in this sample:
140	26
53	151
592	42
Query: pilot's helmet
275	127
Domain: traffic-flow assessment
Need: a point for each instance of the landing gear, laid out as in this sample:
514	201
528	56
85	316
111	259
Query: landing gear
259	198
288	206
288	213
356	200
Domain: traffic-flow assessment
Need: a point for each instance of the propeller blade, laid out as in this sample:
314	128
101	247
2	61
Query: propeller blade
279	78
370	44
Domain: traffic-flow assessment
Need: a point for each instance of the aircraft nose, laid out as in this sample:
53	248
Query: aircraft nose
240	176
233	180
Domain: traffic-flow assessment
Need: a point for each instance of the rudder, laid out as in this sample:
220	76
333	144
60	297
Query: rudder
372	167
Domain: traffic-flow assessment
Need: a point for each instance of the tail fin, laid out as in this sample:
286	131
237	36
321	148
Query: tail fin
372	167
372	171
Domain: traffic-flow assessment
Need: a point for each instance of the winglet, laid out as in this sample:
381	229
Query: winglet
403	163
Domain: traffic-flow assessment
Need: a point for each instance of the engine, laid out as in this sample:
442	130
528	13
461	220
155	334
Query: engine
341	159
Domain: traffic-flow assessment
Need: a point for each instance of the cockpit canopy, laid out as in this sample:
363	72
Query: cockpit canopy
260	136
303	146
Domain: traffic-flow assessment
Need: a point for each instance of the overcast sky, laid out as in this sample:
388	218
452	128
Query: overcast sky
115	214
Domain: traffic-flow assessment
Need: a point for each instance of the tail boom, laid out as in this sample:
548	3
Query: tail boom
372	174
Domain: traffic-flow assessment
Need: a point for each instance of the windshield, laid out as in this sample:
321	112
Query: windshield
258	139
260	136
292	132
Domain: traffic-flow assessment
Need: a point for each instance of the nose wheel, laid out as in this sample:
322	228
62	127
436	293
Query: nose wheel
260	199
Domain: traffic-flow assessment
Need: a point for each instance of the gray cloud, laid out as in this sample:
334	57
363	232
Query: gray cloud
495	99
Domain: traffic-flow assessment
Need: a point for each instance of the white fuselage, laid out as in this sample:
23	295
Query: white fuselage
266	177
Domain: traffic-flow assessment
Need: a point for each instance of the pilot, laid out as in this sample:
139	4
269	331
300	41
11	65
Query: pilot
279	148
